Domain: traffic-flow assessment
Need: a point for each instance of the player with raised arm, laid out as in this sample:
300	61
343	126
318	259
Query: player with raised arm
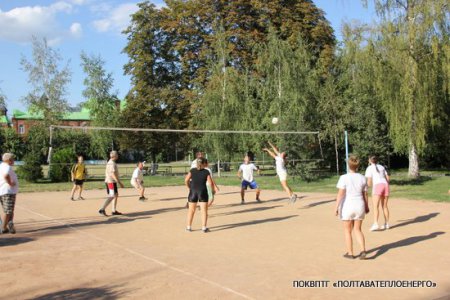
280	162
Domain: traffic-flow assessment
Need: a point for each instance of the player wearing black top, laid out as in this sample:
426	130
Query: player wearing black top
197	190
196	181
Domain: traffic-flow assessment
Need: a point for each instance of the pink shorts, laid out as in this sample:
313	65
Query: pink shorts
381	189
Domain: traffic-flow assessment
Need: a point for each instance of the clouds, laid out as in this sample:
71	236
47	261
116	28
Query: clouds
117	19
63	20
20	23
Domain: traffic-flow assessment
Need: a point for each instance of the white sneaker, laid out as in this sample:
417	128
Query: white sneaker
374	227
386	226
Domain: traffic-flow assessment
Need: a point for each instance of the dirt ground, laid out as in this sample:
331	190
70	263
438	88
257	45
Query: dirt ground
66	250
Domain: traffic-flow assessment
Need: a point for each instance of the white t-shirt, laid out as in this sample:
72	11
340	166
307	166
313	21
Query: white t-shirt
137	173
247	171
279	162
5	188
194	164
354	185
377	177
111	168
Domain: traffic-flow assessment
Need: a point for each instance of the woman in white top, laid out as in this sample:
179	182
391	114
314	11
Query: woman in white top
281	170
378	179
352	206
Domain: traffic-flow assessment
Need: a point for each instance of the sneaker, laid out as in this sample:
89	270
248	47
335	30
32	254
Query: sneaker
142	198
102	212
258	200
374	227
242	201
362	255
188	229
116	213
80	198
71	198
293	198
205	230
11	228
386	226
3	231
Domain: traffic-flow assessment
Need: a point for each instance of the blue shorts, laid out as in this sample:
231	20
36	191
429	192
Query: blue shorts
253	185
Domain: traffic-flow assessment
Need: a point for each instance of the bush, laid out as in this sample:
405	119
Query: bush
31	170
305	171
61	165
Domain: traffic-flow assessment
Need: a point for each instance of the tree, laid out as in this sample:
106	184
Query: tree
12	143
100	101
2	99
156	99
49	82
171	52
349	101
411	45
62	160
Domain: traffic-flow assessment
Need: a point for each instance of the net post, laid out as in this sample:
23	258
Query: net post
346	150
218	168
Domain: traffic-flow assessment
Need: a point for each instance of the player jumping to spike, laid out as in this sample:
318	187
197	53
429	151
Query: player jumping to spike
280	162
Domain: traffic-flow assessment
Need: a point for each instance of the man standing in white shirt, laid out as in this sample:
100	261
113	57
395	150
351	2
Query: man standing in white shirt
246	174
281	170
9	187
112	178
137	180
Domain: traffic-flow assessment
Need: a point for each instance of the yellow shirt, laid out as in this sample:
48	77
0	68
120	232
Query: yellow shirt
79	171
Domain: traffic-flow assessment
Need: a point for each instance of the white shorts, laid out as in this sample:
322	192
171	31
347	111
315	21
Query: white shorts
283	176
353	209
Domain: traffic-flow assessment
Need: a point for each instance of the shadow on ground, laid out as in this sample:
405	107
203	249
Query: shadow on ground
100	293
13	241
418	219
419	181
402	243
249	210
84	222
249	223
314	204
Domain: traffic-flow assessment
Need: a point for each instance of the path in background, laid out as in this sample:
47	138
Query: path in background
65	249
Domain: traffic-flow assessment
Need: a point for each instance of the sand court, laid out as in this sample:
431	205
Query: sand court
65	249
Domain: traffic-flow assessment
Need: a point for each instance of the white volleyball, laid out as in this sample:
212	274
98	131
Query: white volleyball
275	121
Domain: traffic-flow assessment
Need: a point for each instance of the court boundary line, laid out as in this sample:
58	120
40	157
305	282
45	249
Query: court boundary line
133	252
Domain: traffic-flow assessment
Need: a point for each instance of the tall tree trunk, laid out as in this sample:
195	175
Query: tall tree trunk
413	170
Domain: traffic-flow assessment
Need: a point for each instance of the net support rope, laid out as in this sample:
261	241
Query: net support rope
180	130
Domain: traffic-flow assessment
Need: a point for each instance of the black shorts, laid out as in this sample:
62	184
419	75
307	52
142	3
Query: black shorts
198	196
79	182
110	187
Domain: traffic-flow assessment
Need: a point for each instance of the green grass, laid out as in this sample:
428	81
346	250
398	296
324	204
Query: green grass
433	187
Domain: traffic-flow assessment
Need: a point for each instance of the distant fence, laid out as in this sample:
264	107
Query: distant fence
96	169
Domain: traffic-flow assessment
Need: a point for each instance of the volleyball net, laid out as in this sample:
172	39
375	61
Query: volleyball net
171	151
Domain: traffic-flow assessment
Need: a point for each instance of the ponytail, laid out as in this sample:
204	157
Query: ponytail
374	160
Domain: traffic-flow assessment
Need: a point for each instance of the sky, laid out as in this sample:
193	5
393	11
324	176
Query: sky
94	26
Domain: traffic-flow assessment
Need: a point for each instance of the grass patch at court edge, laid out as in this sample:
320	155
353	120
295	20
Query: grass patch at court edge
433	187
47	186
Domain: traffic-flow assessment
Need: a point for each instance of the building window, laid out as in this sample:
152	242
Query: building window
21	129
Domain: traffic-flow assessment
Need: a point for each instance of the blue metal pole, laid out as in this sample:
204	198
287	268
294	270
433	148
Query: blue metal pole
346	150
